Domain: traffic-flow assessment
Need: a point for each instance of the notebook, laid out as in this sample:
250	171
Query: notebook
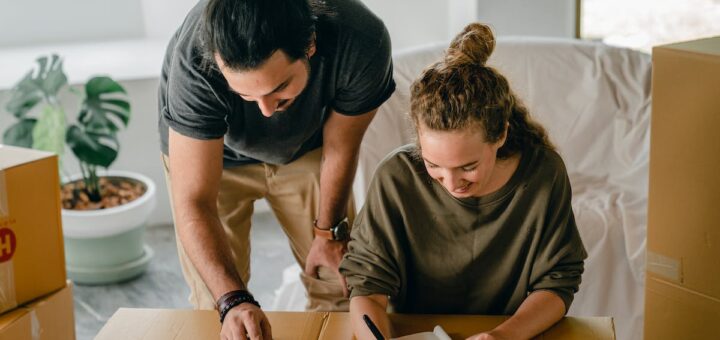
437	334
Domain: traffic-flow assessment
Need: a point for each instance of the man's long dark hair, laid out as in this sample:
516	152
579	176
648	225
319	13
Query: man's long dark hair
245	33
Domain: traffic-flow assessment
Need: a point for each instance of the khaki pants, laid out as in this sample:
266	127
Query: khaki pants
293	192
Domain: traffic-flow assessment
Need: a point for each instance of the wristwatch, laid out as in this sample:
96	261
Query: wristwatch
338	232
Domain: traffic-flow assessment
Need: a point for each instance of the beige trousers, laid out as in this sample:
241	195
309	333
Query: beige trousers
293	193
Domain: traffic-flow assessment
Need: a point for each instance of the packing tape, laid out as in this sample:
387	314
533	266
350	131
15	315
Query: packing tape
3	197
7	286
35	329
664	266
7	271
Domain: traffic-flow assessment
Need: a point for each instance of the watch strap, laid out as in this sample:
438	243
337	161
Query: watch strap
324	233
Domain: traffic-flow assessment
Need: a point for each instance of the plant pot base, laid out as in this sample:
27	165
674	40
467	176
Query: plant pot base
111	274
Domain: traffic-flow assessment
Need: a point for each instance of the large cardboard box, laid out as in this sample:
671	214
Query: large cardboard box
682	295
161	324
32	261
47	318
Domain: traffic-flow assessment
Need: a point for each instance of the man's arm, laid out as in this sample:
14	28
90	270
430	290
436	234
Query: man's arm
195	171
196	167
341	146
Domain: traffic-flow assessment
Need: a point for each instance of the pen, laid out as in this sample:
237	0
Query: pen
375	331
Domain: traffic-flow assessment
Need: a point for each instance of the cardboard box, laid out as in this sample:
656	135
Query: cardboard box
159	324
32	261
683	248
462	326
135	324
48	318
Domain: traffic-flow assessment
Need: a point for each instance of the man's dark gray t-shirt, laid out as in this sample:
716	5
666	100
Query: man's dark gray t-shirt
351	73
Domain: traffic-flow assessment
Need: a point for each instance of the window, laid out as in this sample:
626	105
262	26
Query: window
641	24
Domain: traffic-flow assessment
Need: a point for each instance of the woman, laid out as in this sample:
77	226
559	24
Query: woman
475	218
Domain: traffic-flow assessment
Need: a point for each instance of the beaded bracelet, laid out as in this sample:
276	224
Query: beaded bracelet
232	299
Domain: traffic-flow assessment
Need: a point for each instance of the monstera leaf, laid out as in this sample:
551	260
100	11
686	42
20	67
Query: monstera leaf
102	113
92	148
36	86
20	133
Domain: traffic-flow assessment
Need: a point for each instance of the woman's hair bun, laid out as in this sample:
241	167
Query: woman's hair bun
472	46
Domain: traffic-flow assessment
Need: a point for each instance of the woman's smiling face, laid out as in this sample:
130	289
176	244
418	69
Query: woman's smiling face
461	161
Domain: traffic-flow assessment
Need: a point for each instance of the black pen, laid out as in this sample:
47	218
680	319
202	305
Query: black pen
375	331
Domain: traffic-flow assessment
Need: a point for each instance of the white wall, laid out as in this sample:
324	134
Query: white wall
418	22
412	22
546	18
27	22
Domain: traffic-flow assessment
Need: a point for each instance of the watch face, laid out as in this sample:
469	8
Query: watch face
341	231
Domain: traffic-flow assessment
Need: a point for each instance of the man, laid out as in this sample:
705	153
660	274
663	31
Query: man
267	98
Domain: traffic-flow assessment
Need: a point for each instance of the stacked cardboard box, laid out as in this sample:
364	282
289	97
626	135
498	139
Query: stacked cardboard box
32	261
47	318
159	324
682	294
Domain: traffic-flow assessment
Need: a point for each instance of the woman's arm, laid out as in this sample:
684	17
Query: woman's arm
540	310
375	307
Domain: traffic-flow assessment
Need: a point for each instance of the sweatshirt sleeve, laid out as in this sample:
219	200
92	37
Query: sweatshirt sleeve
559	261
371	264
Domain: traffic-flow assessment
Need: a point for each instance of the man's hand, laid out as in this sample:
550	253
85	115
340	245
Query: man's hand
246	322
326	253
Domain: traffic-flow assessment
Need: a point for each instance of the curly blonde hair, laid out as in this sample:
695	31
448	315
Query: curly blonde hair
461	92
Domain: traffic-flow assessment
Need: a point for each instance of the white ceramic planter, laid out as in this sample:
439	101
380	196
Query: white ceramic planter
106	246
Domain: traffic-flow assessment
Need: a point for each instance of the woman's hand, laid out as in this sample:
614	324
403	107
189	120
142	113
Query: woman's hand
491	335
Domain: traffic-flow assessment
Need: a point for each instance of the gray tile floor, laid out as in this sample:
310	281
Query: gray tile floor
163	286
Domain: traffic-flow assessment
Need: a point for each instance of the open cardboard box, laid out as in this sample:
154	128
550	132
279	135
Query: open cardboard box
159	324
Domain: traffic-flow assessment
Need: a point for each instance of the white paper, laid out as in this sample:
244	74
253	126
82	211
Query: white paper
437	334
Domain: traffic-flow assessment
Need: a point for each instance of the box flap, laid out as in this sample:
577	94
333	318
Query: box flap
11	156
674	312
10	318
463	326
158	324
703	46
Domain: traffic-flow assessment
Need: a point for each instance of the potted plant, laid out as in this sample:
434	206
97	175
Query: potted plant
103	212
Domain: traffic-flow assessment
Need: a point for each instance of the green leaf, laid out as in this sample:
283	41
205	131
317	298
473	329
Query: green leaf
102	85
20	134
119	107
97	109
24	96
54	78
36	86
93	148
49	132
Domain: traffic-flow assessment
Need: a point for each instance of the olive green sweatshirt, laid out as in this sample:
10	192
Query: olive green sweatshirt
433	253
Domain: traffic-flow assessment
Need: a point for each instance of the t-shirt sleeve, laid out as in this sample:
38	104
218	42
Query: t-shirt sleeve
194	107
370	265
559	262
368	81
